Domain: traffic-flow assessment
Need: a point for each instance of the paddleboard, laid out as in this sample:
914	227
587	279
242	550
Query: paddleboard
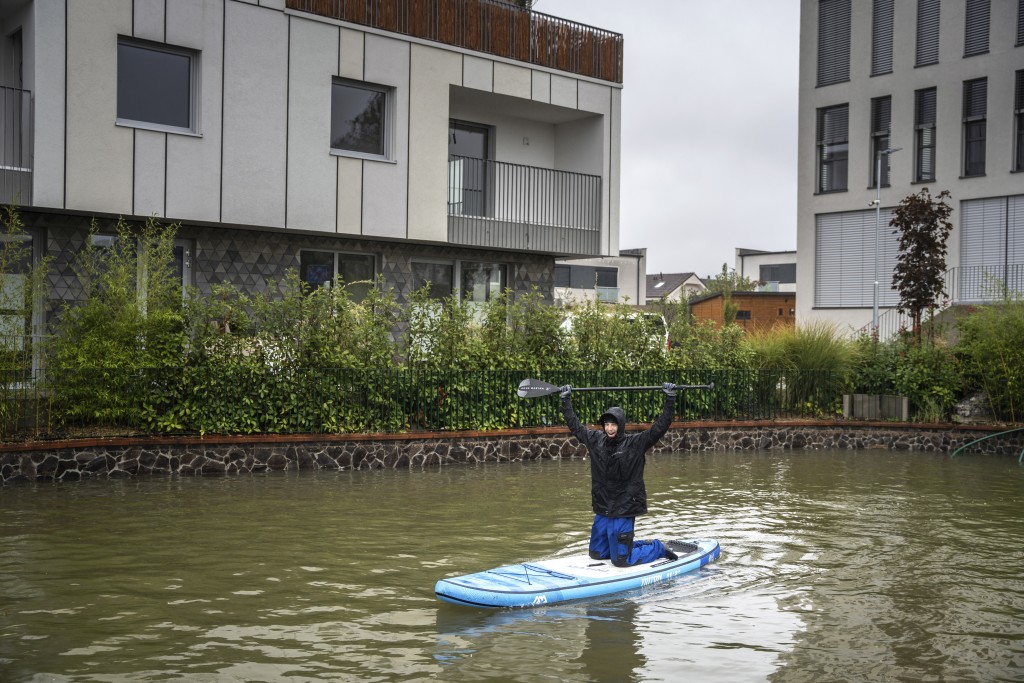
545	582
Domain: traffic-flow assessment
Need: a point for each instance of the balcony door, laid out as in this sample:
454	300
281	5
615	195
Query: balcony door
469	150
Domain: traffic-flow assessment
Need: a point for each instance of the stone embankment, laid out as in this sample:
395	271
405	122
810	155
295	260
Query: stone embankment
192	456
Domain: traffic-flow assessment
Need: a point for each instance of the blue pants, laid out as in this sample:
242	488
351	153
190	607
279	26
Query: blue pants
613	538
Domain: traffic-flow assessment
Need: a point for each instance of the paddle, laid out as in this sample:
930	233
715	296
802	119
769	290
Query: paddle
532	388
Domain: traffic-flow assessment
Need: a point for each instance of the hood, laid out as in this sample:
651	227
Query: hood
617	414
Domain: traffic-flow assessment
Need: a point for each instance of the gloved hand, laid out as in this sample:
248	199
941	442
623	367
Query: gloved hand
565	391
669	389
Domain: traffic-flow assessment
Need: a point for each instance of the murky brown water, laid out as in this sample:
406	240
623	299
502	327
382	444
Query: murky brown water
835	566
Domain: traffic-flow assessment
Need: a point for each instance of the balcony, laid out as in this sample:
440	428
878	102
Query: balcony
492	26
509	206
15	146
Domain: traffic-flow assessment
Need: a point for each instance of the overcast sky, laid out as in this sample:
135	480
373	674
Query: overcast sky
709	120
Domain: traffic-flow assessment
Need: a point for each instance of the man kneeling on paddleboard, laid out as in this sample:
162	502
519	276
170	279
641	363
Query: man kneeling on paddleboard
617	487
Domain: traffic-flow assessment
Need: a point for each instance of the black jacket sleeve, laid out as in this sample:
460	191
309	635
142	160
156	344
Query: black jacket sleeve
582	434
661	425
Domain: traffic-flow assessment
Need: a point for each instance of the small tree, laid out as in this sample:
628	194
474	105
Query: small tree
727	282
922	223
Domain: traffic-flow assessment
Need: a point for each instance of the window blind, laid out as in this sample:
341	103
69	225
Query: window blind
833	41
927	32
881	37
1020	22
844	263
982	247
976	28
924	126
975	98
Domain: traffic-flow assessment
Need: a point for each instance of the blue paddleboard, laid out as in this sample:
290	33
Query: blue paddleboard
546	582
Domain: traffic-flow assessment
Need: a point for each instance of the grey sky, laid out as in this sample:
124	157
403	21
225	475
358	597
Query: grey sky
709	125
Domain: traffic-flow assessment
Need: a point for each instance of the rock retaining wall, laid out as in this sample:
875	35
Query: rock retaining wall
191	456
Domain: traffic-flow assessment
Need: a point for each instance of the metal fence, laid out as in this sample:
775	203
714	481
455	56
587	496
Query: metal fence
492	26
512	206
16	146
251	400
961	285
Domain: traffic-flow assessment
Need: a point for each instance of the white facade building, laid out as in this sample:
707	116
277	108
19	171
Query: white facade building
775	270
941	84
612	279
468	151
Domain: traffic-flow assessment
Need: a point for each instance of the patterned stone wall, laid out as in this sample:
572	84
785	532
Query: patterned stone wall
117	458
251	259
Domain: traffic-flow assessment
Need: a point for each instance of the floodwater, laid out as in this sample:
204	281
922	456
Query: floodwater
835	566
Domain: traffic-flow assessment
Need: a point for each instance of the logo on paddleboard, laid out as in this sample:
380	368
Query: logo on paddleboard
540	600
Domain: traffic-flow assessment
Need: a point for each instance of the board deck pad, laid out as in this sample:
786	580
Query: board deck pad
574	577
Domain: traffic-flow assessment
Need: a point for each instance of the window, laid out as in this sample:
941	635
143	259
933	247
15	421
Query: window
783	273
991	247
975	110
360	119
833	148
844	259
479	282
562	275
15	309
881	38
468	169
156	86
924	135
976	27
440	276
482	282
742	315
833	41
1020	22
1018	116
881	116
354	272
927	32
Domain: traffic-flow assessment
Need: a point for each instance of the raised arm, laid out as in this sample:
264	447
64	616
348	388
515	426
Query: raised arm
661	425
571	420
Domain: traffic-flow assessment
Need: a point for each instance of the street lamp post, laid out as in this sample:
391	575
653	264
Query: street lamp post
878	215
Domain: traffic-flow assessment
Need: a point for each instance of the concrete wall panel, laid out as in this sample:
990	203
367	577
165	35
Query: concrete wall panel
150	173
478	73
433	73
312	171
45	76
350	195
255	116
194	163
350	54
148	20
385	184
512	80
99	154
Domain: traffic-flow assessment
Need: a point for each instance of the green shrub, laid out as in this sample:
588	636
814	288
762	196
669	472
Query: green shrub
991	348
926	372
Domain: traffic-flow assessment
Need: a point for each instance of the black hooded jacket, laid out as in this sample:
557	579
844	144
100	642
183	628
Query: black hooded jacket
617	465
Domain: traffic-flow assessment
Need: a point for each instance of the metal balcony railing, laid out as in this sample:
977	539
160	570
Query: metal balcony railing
511	206
492	26
963	285
16	135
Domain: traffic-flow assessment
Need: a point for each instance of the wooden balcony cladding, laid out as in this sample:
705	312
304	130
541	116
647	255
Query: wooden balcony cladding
492	26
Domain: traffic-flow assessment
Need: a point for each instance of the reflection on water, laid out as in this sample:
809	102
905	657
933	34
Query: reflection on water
835	566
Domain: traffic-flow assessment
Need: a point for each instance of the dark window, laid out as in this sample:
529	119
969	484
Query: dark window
975	112
468	152
783	273
833	41
482	281
881	117
1018	115
155	85
924	135
881	37
562	276
355	272
743	315
359	118
1020	22
833	148
607	277
976	28
927	32
441	277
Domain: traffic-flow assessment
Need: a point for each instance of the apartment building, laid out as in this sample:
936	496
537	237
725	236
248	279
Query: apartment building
467	143
896	96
